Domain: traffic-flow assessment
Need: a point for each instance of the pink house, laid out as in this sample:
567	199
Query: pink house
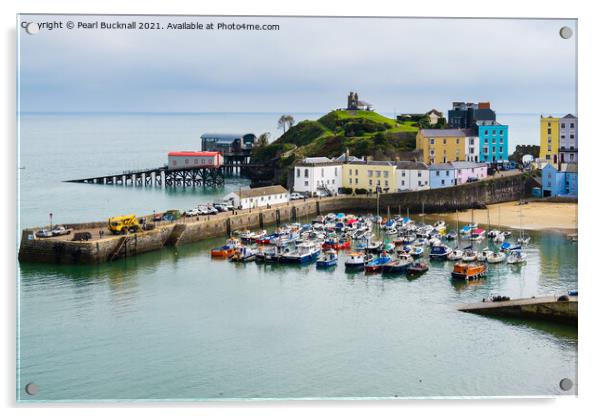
469	171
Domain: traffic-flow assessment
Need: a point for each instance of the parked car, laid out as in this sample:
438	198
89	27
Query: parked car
295	195
44	233
82	236
157	217
472	179
228	205
322	193
210	210
192	212
172	215
60	230
220	206
203	210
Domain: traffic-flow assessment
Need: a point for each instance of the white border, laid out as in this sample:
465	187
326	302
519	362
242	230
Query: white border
589	212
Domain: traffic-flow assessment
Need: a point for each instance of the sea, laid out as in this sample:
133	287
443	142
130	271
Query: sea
176	325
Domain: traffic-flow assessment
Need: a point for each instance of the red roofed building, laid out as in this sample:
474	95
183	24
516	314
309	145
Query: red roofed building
192	159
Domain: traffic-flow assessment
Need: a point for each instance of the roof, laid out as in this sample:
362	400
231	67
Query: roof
487	123
433	111
411	165
448	132
314	160
569	116
351	158
441	166
264	191
224	136
373	162
468	165
193	153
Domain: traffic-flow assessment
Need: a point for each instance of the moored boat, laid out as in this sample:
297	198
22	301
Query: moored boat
516	257
305	253
396	266
483	254
417	267
440	252
495	258
328	259
455	254
416	251
243	255
376	264
469	271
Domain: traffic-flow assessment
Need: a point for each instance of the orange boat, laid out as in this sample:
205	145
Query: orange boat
469	271
223	251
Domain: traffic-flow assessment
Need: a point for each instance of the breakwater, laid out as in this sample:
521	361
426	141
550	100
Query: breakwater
109	247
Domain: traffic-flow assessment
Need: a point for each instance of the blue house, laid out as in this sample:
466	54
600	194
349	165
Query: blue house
442	175
493	141
561	182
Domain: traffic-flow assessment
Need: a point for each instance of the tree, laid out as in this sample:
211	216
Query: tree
424	123
263	139
285	122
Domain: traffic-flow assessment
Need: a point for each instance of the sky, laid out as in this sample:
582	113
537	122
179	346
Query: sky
308	65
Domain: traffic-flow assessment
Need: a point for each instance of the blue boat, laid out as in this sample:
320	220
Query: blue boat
440	252
416	251
328	259
305	253
506	246
466	229
377	264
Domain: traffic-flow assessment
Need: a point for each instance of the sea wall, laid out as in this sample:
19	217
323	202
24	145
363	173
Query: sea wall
187	231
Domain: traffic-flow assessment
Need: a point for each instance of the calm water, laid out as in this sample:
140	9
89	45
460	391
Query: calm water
175	324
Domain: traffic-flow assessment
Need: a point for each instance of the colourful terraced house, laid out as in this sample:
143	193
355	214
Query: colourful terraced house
549	139
373	176
443	145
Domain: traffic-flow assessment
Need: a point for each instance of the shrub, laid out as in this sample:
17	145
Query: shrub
346	191
361	191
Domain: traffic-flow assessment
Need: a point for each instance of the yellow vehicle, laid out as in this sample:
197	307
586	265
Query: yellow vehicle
124	224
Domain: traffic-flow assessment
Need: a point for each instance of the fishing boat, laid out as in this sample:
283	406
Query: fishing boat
267	239
417	268
355	260
328	259
336	244
516	257
483	254
416	251
408	238
305	253
469	271
495	258
224	251
396	266
424	231
377	264
243	255
440	252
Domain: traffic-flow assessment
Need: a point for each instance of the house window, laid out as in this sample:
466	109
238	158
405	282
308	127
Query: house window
501	140
298	173
403	173
322	172
571	156
549	124
444	141
356	172
307	173
432	141
370	182
386	173
442	181
501	149
471	141
549	148
493	140
572	125
336	171
501	132
387	183
486	132
447	173
457	141
403	183
356	182
549	131
350	172
378	173
572	136
378	182
369	173
562	125
186	161
306	183
485	141
420	174
350	181
437	173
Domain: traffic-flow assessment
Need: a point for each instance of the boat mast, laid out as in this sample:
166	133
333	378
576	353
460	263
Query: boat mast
488	222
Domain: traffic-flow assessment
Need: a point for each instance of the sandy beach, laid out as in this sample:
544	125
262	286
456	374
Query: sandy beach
535	216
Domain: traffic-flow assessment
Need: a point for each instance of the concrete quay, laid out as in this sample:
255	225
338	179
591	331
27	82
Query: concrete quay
547	308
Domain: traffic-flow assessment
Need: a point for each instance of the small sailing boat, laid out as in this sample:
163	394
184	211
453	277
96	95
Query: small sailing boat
455	254
516	257
494	258
483	254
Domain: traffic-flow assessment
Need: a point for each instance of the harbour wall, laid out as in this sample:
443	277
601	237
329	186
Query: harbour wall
108	248
542	308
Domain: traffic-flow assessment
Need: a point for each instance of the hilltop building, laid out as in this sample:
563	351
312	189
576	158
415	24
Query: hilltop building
354	103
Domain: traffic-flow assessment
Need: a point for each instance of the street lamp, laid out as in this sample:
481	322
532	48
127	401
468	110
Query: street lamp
50	215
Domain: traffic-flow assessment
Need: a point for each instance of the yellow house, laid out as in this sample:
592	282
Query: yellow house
549	132
443	145
371	176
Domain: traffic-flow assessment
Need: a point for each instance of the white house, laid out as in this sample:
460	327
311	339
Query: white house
318	173
412	176
258	197
472	146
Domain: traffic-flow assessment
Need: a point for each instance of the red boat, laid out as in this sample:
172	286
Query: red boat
336	244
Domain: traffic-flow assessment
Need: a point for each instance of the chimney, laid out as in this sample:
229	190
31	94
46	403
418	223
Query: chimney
346	155
484	105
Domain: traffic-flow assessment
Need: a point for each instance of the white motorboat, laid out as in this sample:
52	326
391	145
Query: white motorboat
494	258
516	257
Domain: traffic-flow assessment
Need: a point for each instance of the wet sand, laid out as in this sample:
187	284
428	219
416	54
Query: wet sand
535	216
